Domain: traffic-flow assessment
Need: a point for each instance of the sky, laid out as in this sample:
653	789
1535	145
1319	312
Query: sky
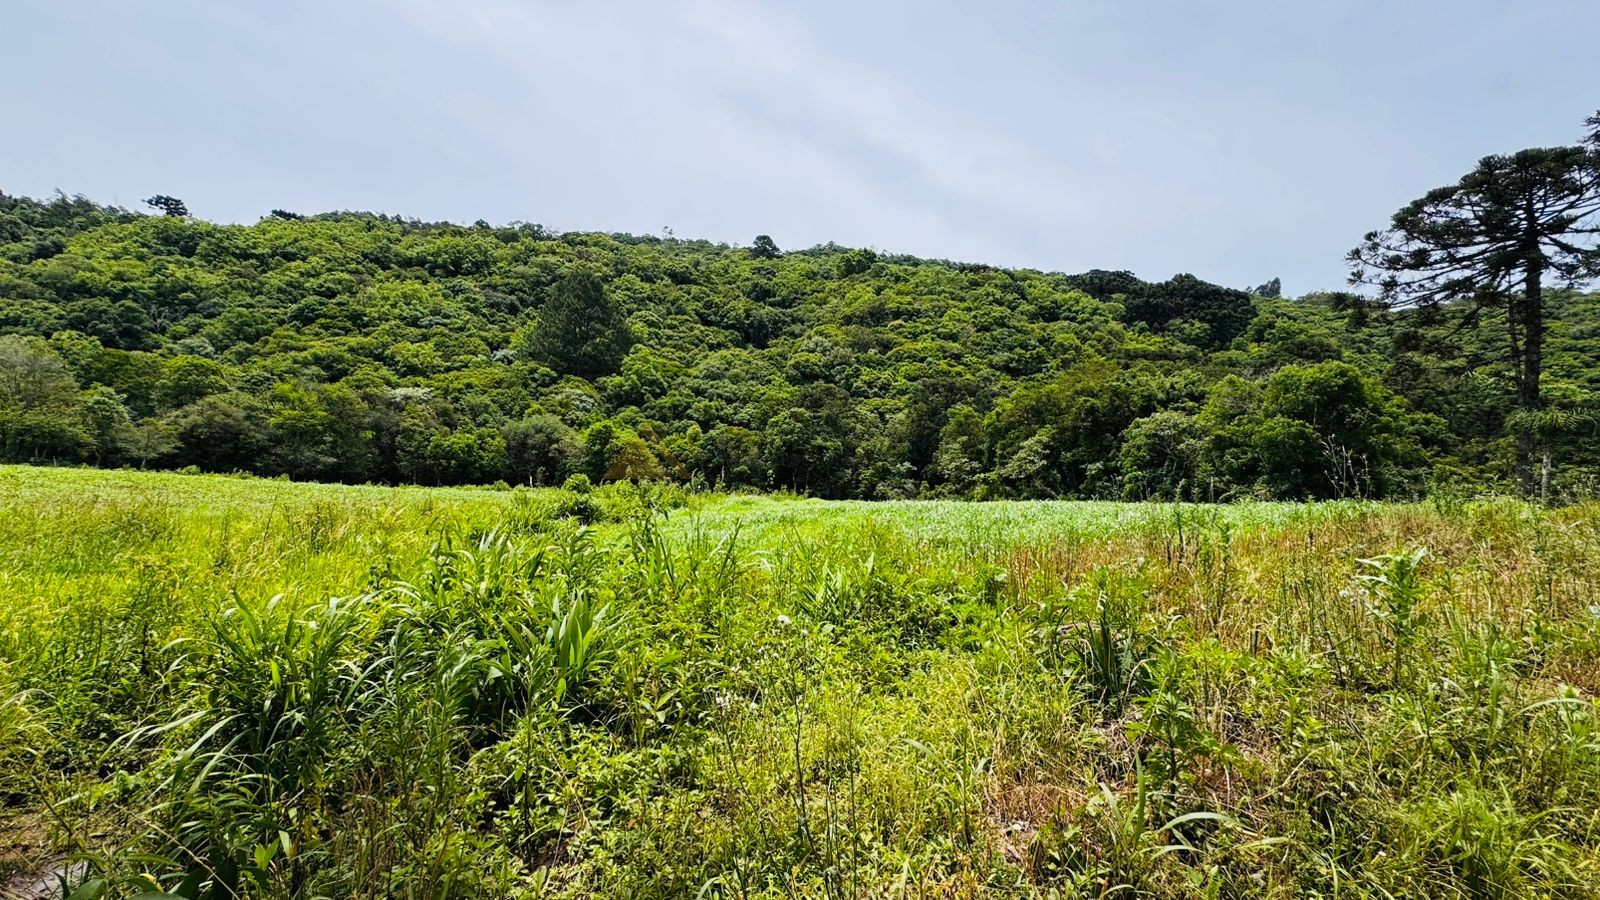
1238	140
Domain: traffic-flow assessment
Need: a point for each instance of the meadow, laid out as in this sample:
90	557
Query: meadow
214	687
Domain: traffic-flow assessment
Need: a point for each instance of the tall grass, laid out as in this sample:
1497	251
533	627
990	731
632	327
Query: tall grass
215	687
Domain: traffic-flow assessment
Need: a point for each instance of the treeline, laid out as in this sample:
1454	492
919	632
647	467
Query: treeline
366	348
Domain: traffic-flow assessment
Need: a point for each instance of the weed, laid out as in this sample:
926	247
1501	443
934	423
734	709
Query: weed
626	691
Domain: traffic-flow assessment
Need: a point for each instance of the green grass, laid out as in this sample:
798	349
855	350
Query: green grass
214	686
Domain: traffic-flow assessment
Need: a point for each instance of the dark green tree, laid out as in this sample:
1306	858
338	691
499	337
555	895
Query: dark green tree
857	262
1328	431
170	206
1492	241
123	324
802	453
1103	285
540	449
1225	312
764	248
732	455
218	434
581	330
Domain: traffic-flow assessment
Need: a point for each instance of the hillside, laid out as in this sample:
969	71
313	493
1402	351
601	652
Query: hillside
362	348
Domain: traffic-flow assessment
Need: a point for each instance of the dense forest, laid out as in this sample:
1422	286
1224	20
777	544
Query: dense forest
366	348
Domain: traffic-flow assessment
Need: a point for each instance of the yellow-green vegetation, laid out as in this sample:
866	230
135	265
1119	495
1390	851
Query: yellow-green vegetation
215	686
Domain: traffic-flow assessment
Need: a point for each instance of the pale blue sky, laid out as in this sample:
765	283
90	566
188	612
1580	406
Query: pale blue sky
1235	140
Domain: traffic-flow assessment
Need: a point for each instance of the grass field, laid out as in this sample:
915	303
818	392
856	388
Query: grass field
214	687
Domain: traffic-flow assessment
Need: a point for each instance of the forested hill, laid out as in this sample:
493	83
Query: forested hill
364	348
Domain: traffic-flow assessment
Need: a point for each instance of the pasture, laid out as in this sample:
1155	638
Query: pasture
217	687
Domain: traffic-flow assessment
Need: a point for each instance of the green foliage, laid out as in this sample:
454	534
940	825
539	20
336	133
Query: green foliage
763	247
361	348
539	449
1394	583
1490	242
1224	312
170	206
221	686
580	330
1160	457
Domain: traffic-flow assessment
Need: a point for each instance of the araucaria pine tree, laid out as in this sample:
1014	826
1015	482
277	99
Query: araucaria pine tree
1494	240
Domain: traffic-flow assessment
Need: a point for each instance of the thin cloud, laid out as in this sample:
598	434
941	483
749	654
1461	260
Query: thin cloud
747	101
1236	141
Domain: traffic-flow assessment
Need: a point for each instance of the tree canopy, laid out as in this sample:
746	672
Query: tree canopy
358	347
580	330
1492	241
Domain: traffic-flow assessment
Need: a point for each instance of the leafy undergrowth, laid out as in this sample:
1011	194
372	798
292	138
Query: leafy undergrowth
213	687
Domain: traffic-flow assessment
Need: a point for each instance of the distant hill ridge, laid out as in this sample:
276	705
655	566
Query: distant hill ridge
369	348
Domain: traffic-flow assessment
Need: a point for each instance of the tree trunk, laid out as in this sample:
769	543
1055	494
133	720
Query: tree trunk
1529	366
